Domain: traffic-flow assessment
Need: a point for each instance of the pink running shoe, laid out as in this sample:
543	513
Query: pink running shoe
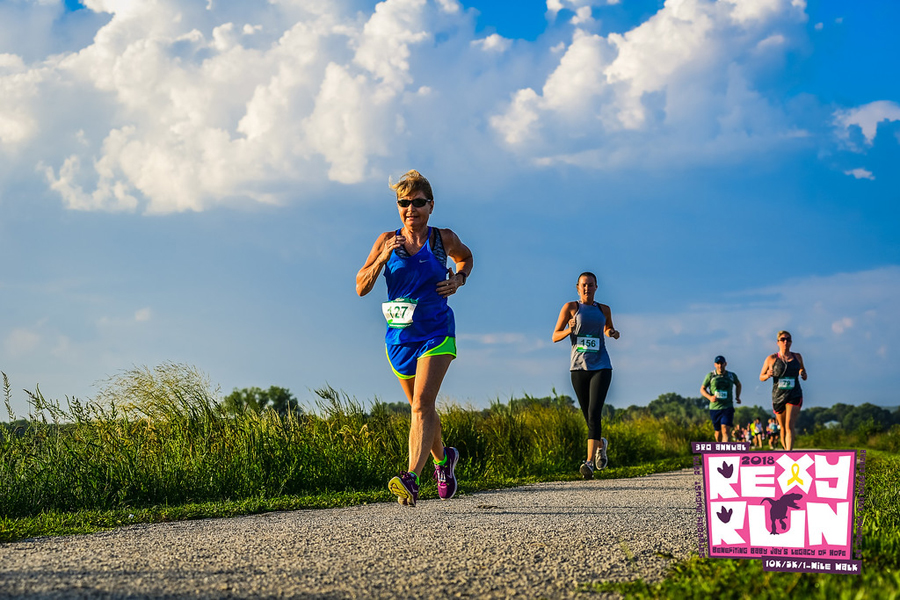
446	476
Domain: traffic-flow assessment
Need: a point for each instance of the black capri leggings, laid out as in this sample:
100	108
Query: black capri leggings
590	389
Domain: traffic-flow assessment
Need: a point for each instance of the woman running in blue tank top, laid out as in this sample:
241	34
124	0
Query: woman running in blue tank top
420	337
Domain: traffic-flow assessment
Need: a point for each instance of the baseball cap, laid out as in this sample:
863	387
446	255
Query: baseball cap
720	359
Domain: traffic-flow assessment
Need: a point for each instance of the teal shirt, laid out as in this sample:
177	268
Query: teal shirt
722	387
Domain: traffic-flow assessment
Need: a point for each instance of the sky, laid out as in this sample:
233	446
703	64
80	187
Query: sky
198	182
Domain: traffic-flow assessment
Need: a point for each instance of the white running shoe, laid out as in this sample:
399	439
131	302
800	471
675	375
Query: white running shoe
587	470
600	458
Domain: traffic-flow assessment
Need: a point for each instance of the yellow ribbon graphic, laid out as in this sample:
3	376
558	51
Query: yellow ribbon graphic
795	471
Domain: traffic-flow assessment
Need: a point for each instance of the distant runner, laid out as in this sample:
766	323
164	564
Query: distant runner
722	388
585	322
786	370
758	433
420	339
771	433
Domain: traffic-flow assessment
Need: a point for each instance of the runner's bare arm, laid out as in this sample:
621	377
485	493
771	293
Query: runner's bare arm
564	323
378	257
802	366
767	368
737	392
462	258
609	330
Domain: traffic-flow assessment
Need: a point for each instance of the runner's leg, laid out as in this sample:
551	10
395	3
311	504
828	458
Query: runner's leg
779	418
425	425
791	413
581	382
437	448
599	387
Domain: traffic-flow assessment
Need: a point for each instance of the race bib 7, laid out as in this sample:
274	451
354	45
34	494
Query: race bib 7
721	394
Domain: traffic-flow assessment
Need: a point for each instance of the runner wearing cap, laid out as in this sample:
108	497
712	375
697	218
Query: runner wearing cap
722	388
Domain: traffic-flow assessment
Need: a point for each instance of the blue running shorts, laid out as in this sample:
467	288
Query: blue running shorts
403	357
721	417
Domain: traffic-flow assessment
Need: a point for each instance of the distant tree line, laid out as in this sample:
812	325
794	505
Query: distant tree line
866	417
279	399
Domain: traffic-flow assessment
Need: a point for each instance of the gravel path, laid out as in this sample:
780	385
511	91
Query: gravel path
536	541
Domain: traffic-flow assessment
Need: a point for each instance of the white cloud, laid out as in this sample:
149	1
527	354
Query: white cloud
449	6
678	85
493	43
18	88
516	123
21	341
583	16
747	11
576	6
203	112
179	106
143	315
384	46
842	325
866	117
860	173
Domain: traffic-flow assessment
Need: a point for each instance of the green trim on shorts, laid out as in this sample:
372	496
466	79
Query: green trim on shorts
448	346
398	374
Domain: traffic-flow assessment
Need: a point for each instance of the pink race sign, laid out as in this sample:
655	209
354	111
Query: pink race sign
786	508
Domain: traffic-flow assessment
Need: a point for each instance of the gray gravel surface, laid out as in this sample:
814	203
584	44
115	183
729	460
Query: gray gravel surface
537	541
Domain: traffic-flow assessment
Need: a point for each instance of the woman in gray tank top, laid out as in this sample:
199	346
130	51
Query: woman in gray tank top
585	323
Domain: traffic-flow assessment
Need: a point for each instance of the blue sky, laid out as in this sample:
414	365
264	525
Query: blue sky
199	182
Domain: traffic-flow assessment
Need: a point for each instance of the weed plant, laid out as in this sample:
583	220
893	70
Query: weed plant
159	438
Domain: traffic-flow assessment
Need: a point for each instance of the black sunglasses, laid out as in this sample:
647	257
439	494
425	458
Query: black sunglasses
417	202
784	339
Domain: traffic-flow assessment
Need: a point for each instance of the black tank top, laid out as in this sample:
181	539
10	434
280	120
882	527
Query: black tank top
786	379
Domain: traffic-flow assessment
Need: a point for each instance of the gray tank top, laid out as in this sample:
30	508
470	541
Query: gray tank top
588	342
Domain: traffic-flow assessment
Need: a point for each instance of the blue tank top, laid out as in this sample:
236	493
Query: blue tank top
416	277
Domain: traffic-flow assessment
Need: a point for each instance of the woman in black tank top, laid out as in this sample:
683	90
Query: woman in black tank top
786	370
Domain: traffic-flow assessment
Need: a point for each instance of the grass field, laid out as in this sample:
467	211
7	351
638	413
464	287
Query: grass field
155	446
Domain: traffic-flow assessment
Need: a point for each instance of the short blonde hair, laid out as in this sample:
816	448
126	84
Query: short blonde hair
783	332
411	182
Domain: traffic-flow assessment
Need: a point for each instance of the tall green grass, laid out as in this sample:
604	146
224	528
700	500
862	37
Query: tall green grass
158	437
